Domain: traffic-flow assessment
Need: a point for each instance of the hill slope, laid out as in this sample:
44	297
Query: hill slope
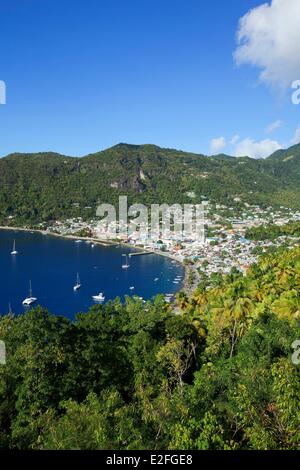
42	186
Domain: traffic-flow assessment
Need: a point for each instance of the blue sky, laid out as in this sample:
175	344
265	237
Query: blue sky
82	76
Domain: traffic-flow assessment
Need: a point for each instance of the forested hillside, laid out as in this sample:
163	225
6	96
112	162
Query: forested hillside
271	232
47	186
219	375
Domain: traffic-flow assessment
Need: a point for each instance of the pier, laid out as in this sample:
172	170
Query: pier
139	253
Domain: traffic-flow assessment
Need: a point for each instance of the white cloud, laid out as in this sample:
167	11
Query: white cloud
269	38
248	147
274	126
254	149
235	139
217	144
296	139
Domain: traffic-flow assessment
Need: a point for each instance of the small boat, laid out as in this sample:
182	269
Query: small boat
78	241
14	251
131	288
168	297
29	300
156	279
99	298
126	265
77	285
92	245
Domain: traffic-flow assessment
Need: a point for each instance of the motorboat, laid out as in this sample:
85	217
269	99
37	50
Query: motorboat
99	297
29	300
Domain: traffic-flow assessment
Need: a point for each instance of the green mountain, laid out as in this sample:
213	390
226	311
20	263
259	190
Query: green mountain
292	153
45	186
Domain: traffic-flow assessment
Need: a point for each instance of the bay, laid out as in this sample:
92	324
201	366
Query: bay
52	264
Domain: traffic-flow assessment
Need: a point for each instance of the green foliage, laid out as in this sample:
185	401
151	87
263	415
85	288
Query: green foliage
47	186
217	375
271	232
103	422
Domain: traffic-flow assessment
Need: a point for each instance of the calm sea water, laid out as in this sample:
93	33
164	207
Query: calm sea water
52	264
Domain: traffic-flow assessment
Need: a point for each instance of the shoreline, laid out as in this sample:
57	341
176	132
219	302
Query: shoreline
105	243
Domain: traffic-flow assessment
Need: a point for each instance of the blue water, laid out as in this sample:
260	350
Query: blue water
52	264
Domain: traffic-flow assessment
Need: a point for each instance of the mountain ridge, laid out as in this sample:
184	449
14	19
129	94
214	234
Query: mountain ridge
43	186
278	154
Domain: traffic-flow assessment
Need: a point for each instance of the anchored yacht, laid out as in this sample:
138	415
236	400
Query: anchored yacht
126	265
77	285
14	251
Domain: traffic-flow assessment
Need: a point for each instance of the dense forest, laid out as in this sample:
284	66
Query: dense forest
47	186
217	375
272	231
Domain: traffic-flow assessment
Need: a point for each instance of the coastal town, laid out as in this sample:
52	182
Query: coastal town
223	247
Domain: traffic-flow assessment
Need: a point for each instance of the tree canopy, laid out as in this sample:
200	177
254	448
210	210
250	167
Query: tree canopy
216	375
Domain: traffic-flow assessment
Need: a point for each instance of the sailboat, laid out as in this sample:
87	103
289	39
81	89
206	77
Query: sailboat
29	300
99	297
77	285
126	265
14	251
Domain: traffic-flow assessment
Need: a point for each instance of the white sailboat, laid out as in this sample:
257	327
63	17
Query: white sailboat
29	300
99	297
126	265
78	284
14	251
